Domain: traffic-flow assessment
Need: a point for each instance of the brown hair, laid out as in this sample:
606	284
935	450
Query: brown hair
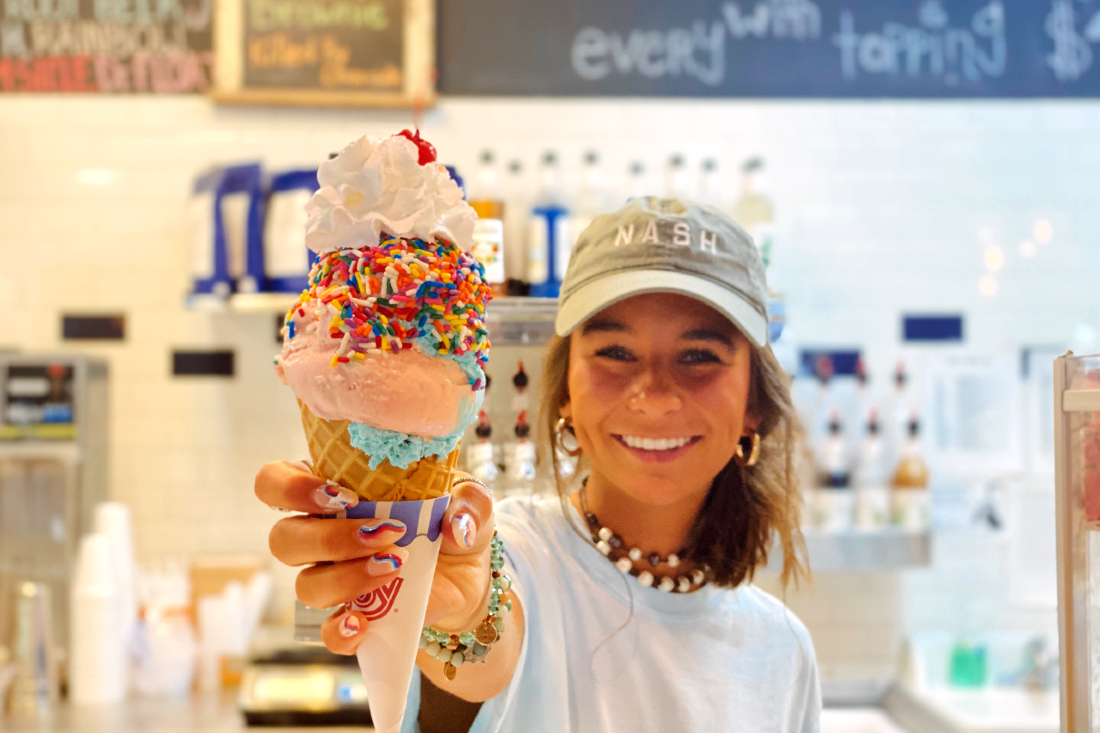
746	506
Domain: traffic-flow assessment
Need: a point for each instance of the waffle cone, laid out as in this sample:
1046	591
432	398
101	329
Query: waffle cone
336	459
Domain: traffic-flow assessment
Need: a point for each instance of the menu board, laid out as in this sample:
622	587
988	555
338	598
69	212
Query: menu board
120	46
339	52
772	48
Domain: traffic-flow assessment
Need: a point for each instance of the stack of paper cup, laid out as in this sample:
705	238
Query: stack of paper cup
113	519
97	663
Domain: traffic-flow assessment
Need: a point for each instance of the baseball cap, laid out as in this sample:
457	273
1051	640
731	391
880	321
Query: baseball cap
659	245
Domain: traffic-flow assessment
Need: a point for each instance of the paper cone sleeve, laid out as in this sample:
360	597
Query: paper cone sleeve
395	611
417	496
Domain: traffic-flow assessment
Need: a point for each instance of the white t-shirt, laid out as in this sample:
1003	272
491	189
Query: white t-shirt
603	653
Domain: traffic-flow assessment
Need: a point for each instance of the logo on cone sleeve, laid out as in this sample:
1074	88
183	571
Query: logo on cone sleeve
378	602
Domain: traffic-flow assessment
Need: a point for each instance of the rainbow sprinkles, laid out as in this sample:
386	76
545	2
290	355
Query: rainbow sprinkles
387	297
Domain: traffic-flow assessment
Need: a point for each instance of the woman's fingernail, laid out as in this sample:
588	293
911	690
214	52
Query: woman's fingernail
370	531
384	563
349	627
465	530
335	497
302	466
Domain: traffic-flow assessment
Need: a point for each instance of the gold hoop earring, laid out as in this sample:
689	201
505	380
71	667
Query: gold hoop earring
754	452
559	433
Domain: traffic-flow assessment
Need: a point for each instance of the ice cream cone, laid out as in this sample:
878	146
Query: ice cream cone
336	459
388	342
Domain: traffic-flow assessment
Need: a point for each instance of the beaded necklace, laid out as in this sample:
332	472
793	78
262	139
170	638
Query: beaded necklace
612	546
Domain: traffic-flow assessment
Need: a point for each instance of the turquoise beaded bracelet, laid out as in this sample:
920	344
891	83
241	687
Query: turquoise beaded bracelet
454	650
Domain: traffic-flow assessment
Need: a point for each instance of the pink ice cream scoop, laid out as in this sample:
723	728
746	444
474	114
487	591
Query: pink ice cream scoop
407	391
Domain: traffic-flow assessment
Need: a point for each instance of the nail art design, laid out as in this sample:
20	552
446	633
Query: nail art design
335	497
465	530
384	563
350	625
392	525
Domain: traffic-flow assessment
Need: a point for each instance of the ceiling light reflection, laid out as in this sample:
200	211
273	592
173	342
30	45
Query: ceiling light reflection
994	258
96	177
987	286
1043	231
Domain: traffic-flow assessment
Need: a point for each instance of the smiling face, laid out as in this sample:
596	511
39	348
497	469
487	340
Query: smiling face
658	385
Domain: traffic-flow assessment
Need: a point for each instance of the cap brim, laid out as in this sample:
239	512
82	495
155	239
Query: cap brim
608	290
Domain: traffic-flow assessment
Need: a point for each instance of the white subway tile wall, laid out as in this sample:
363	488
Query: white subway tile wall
883	207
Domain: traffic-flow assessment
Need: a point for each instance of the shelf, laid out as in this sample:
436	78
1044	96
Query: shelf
503	309
511	321
527	310
66	452
242	302
884	549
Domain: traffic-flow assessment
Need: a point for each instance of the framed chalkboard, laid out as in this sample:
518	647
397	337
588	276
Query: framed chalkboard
106	46
325	52
771	48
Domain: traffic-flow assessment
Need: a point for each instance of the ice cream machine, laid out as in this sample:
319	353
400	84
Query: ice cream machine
53	468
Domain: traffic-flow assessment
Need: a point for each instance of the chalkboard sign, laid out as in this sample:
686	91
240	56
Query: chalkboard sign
771	48
158	46
325	52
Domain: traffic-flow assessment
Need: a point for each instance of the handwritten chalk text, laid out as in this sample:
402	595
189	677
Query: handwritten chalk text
933	47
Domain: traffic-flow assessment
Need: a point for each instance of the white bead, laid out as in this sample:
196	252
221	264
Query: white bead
698	576
635	554
673	560
645	578
684	585
444	655
603	547
432	648
457	660
624	564
667	584
605	533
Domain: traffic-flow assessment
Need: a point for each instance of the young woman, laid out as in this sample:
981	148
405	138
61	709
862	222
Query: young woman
632	604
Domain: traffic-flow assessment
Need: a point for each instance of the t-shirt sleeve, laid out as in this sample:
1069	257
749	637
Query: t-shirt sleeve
525	560
806	702
410	724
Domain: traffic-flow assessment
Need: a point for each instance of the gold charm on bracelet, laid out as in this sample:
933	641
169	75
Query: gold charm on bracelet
471	647
486	633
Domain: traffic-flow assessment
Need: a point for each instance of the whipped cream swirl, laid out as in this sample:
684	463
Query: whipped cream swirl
378	185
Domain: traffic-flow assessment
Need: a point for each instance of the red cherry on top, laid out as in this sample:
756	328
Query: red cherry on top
426	150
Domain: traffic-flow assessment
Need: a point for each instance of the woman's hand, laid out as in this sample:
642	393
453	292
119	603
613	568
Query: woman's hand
352	557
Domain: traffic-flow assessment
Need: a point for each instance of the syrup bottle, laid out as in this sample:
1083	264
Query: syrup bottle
479	456
521	400
834	494
488	236
521	466
549	242
910	499
871	478
754	211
